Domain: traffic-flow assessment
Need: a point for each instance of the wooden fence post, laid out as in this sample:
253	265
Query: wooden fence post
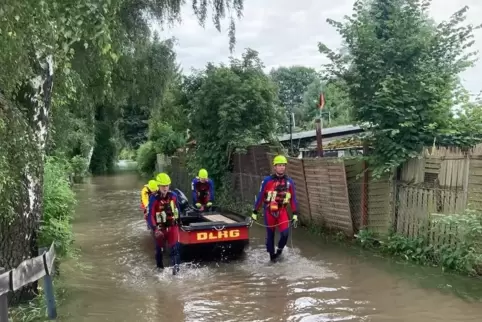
241	178
49	287
3	303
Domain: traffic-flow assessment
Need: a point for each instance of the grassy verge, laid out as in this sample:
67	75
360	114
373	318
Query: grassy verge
36	309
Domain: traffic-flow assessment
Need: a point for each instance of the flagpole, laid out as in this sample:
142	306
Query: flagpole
319	126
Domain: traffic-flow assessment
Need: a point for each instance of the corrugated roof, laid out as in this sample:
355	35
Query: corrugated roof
326	131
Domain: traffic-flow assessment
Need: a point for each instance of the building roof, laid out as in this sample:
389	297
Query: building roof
329	131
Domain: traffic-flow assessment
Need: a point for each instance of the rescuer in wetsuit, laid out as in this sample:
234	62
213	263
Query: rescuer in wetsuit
163	220
202	190
276	192
148	189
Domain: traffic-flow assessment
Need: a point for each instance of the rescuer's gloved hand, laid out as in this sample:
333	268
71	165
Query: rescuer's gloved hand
295	220
198	205
254	215
209	204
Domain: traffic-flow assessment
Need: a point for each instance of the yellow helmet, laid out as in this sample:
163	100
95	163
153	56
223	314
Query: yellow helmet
152	185
163	179
203	174
279	159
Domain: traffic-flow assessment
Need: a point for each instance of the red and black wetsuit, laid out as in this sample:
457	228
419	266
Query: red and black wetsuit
272	196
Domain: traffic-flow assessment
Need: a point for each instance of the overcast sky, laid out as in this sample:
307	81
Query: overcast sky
286	32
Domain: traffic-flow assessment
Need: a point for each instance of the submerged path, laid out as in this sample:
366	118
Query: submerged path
315	282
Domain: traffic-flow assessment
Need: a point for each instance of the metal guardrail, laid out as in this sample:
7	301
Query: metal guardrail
29	271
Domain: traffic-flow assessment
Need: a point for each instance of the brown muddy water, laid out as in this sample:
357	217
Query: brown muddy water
316	281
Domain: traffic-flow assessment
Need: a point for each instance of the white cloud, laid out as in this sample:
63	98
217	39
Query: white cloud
286	32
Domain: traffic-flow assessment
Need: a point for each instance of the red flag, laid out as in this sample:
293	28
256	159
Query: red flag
321	103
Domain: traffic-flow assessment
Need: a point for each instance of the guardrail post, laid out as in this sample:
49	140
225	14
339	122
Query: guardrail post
49	288
3	303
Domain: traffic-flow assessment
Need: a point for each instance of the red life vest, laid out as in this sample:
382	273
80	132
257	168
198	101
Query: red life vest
275	197
165	207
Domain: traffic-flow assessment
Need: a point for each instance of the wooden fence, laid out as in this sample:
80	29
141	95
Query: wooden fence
27	272
340	193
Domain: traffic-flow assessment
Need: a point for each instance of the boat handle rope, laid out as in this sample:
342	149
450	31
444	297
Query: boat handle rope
272	226
291	226
222	227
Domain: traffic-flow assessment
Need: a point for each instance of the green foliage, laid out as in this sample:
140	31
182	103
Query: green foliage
174	108
128	154
80	168
146	158
463	253
145	75
164	139
59	206
229	199
89	47
57	25
36	309
466	128
231	107
106	141
338	109
292	83
400	71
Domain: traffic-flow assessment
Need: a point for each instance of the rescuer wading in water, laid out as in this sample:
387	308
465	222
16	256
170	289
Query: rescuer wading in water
163	219
276	192
202	190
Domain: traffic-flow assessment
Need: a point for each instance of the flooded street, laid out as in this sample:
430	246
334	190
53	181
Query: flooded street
315	281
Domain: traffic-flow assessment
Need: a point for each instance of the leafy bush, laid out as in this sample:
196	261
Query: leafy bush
59	207
80	168
146	158
167	141
127	154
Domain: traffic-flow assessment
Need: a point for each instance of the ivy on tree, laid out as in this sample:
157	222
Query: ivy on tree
400	70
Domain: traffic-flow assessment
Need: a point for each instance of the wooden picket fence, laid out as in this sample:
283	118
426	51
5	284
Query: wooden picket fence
29	271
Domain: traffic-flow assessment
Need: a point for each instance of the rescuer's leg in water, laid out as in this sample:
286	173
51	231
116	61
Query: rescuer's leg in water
284	229
159	242
174	248
176	258
270	222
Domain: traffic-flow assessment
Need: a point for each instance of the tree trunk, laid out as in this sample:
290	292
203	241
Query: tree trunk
24	152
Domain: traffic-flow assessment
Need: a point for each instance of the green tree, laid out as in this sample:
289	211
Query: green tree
337	110
231	107
400	72
139	81
466	127
147	72
292	83
80	43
